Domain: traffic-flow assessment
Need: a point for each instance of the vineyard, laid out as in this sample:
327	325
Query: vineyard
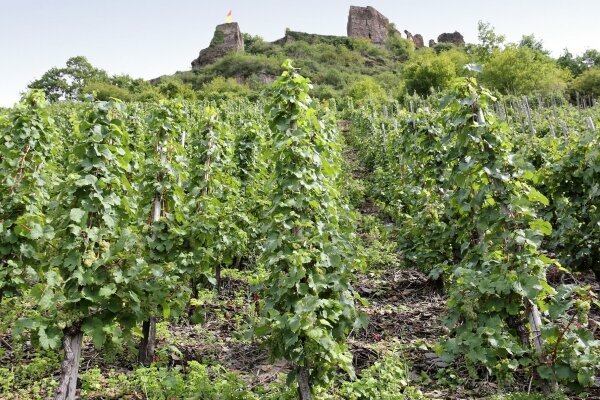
288	248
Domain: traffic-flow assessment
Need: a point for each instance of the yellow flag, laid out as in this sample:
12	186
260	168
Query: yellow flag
229	17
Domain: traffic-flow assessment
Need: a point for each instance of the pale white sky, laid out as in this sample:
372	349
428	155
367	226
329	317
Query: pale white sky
149	38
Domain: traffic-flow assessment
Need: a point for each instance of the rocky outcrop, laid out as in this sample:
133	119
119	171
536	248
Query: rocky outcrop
416	39
368	23
226	39
454	38
432	43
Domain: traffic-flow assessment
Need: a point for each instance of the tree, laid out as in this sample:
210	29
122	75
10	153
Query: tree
401	49
489	39
588	83
570	62
522	70
309	306
578	65
531	42
67	83
175	89
104	91
591	58
223	88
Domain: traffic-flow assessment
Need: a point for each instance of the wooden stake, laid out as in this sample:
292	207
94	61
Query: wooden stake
147	344
535	324
67	385
304	384
591	125
552	131
528	113
146	348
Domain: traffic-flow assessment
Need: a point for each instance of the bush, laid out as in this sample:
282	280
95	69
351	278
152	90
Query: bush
367	49
175	89
223	88
366	88
429	71
401	49
149	95
257	45
387	379
393	83
199	382
243	65
105	91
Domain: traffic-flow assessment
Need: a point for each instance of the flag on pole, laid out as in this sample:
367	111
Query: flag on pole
229	17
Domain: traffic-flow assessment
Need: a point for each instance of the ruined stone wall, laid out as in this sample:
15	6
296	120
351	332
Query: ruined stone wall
363	22
368	23
226	39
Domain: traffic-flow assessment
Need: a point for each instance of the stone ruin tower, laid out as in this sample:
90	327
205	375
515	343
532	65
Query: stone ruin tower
368	23
226	39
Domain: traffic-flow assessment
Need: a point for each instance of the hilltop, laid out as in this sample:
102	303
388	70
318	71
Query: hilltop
374	60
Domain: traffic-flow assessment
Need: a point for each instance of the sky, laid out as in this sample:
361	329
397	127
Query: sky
150	38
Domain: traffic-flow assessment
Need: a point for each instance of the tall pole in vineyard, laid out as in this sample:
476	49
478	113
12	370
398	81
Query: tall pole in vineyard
93	245
163	176
308	300
485	190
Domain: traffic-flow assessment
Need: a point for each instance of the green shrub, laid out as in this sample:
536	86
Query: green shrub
105	91
223	88
31	380
366	89
427	71
160	383
149	95
243	65
367	49
400	48
529	396
175	89
387	379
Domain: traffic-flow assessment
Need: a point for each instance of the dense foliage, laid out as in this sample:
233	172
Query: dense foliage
465	191
174	214
309	306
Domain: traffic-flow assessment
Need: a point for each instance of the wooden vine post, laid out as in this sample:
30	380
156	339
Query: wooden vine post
67	384
306	322
484	193
93	244
162	179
